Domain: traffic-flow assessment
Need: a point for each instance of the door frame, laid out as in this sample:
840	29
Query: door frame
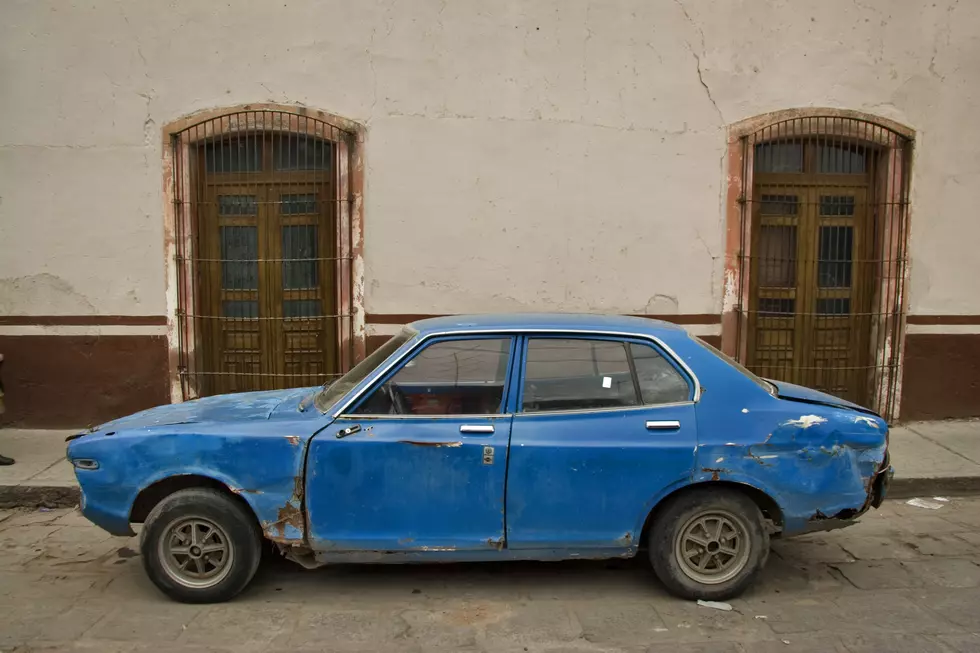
179	233
893	184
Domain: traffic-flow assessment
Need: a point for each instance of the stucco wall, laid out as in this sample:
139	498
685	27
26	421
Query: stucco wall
558	154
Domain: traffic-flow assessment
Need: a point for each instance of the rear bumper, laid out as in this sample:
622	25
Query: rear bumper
878	485
881	482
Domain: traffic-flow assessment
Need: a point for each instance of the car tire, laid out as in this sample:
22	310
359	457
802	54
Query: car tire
708	544
200	546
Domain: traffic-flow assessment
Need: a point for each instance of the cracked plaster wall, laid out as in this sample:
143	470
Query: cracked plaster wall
555	154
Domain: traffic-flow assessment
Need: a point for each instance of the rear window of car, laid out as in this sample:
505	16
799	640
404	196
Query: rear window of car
762	383
597	374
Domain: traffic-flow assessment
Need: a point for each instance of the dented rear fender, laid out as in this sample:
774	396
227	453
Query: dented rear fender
815	463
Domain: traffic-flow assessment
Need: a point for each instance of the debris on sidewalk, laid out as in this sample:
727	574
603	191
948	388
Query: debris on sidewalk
941	499
924	503
717	605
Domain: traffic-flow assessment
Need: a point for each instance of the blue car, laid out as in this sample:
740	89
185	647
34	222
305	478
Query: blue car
504	437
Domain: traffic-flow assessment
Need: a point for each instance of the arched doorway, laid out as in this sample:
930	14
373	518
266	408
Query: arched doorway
819	270
263	251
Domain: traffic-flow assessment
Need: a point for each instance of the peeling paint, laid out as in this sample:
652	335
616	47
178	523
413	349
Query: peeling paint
806	421
626	540
715	472
289	515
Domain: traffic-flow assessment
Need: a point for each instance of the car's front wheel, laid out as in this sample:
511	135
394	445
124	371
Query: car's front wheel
200	546
708	544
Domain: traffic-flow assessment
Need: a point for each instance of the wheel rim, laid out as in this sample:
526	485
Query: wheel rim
712	547
196	552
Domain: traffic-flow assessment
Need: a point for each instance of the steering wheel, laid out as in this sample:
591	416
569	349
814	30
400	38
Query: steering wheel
398	404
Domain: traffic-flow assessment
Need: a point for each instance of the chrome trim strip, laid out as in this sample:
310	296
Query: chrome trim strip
476	428
616	409
511	332
655	425
355	417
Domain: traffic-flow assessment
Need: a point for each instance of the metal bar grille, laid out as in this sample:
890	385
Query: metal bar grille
823	256
264	259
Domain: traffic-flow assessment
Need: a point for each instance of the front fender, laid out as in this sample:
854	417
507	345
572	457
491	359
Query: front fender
265	469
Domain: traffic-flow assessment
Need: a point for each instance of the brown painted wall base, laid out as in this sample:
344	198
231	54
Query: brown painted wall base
77	381
942	377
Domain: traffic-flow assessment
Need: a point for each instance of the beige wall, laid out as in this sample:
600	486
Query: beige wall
546	154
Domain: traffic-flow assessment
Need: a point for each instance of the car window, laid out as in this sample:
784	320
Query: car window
450	377
576	374
762	383
660	382
326	397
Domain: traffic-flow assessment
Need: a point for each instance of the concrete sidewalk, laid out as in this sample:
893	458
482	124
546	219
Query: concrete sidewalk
929	458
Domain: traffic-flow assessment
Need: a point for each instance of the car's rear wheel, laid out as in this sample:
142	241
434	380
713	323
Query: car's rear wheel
708	544
200	546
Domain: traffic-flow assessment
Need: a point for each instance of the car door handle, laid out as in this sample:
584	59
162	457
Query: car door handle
663	425
483	429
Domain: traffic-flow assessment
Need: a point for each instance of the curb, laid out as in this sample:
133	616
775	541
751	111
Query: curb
67	496
906	488
39	496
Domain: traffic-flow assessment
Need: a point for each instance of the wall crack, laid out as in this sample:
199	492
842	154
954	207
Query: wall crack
697	59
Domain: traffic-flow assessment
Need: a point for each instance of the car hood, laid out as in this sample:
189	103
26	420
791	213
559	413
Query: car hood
243	406
795	392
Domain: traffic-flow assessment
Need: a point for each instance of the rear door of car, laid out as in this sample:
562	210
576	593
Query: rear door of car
602	426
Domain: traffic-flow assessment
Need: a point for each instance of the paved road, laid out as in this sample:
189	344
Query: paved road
905	579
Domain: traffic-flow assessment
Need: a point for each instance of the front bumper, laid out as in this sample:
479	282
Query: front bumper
104	504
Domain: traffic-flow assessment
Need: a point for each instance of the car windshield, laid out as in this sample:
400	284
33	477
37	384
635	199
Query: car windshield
762	383
329	395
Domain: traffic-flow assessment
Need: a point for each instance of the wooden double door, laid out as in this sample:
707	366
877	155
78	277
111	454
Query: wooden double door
267	283
812	273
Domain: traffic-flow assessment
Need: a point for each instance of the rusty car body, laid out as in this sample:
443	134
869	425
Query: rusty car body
499	437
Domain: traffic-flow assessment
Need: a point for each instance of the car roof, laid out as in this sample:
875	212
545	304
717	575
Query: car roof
545	321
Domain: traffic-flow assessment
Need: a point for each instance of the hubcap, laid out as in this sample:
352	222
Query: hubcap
712	547
196	552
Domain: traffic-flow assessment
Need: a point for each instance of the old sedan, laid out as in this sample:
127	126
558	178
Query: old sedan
510	437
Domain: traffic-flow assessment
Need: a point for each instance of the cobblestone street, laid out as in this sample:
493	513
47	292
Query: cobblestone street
905	579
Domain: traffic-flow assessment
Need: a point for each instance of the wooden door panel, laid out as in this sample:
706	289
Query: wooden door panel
778	221
265	264
808	318
304	244
838	347
230	219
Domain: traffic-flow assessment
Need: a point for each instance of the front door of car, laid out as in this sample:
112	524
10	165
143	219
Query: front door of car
419	462
603	426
